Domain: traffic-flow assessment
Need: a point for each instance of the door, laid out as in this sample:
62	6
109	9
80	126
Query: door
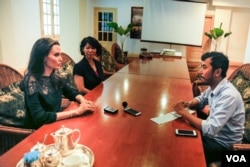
102	32
193	53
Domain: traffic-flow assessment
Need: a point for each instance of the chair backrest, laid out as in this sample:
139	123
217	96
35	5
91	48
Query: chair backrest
108	62
8	75
66	58
240	78
244	69
118	54
9	135
114	49
12	108
66	71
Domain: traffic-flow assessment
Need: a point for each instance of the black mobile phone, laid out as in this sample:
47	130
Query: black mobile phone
132	111
185	132
111	110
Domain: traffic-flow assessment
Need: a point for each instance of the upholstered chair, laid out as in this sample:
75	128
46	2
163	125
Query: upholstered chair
120	57
66	71
12	109
240	78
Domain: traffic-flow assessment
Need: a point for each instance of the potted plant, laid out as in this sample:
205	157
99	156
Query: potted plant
216	34
123	32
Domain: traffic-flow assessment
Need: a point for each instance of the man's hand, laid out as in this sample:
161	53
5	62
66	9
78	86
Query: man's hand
180	106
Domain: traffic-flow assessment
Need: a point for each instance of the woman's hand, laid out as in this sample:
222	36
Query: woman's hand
85	106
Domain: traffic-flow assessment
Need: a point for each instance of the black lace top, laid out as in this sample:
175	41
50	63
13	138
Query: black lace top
43	100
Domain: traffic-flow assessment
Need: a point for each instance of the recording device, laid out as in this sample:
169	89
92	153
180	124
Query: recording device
185	132
110	110
130	110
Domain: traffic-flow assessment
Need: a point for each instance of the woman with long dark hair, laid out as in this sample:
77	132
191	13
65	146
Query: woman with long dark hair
44	88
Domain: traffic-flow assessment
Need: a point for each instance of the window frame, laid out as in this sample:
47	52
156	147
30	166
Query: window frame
50	18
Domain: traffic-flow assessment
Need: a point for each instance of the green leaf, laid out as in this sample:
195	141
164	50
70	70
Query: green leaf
128	29
227	34
208	35
114	25
218	32
119	29
212	32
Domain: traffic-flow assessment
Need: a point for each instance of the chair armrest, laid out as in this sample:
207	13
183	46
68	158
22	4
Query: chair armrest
15	130
241	147
119	66
198	87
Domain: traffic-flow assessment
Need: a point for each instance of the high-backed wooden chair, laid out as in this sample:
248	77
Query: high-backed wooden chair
193	69
66	71
120	58
108	62
66	58
240	78
9	135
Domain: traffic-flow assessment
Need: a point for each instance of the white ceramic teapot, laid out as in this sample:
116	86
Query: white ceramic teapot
64	140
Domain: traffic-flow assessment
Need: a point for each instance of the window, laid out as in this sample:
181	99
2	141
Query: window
102	32
50	18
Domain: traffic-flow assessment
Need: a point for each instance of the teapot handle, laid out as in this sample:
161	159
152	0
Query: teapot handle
79	136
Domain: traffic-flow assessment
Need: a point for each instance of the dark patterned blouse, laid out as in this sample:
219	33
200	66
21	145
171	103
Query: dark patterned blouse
43	99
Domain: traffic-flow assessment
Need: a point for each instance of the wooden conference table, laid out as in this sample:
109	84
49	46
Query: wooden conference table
166	66
124	140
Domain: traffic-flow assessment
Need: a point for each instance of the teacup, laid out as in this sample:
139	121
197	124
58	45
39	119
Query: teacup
38	147
51	157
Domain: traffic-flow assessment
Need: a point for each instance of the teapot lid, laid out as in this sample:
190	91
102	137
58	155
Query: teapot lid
63	131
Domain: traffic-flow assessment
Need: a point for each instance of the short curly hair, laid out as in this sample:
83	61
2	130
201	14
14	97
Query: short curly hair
93	42
219	60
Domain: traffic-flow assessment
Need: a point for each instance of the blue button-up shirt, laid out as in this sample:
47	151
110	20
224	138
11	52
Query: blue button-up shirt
226	119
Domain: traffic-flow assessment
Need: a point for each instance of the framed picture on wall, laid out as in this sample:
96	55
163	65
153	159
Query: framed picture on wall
136	20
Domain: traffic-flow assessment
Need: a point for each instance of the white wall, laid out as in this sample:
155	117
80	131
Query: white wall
20	27
237	44
247	53
236	20
235	16
123	18
19	30
232	3
70	27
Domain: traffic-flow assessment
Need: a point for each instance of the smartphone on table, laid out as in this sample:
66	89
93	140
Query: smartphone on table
110	110
185	132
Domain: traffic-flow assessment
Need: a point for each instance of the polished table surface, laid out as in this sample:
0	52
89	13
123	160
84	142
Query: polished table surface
163	66
125	140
